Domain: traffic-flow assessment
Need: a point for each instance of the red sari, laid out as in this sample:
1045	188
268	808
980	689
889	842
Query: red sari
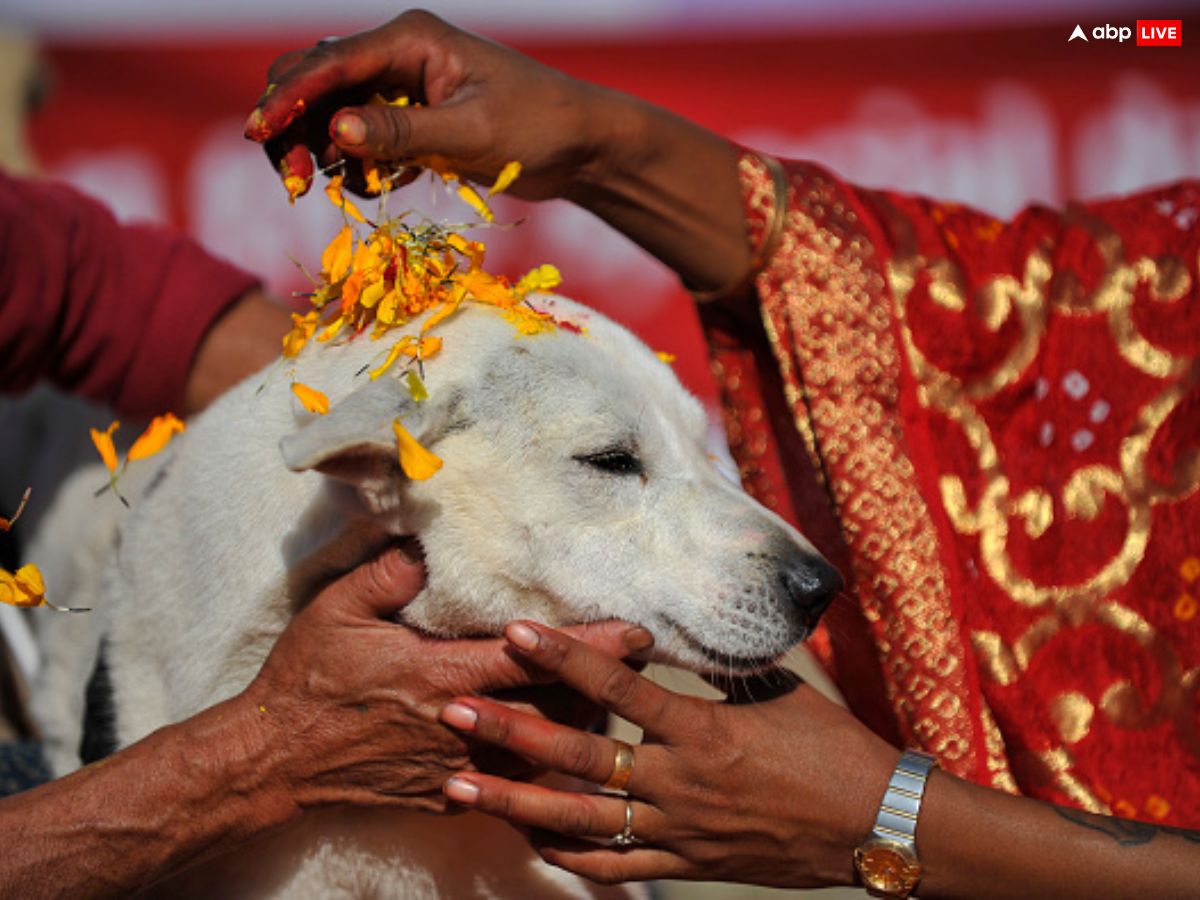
994	429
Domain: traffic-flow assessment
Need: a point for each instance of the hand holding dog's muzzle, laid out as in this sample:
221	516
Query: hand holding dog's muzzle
349	699
765	792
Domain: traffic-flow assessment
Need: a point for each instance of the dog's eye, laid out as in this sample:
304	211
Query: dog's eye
615	461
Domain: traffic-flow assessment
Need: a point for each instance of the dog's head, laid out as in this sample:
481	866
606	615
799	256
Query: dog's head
576	486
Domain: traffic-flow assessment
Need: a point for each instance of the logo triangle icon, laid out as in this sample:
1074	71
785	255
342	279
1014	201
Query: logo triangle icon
1077	34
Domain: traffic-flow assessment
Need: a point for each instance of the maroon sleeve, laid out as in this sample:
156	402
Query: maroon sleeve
112	312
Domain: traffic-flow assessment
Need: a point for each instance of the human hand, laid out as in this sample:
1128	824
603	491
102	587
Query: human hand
482	106
777	792
349	699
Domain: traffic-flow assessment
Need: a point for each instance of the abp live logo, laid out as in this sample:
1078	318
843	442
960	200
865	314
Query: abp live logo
1160	32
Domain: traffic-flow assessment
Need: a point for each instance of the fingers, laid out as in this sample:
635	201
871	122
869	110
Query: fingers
484	666
378	587
599	677
599	817
609	865
394	55
588	756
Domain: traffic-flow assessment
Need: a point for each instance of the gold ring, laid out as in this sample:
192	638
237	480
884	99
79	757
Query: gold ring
622	768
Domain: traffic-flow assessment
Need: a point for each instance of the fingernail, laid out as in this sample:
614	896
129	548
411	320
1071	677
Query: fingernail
459	715
637	639
350	129
522	636
462	791
256	126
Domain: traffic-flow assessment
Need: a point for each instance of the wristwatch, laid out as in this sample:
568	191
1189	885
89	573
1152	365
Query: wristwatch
887	861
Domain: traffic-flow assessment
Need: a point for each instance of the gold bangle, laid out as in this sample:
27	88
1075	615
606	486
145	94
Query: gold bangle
770	236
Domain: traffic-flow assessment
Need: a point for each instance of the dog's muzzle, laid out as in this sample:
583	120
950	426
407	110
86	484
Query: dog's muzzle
811	584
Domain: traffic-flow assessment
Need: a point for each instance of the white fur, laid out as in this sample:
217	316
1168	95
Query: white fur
224	543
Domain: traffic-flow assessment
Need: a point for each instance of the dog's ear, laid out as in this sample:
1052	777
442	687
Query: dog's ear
354	441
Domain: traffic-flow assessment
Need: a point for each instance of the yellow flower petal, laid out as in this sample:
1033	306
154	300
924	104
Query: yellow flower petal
477	203
416	387
336	258
372	293
666	357
417	462
333	191
543	278
375	184
393	354
295	187
24	588
104	446
448	309
311	399
506	177
155	437
302	329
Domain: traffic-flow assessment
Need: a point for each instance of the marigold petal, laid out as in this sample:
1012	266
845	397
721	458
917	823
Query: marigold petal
506	177
477	203
375	184
417	462
104	446
156	436
24	588
448	309
336	258
333	191
543	278
310	398
416	387
666	357
372	293
393	354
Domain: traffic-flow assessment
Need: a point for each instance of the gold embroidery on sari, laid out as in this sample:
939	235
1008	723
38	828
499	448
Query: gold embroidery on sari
1043	293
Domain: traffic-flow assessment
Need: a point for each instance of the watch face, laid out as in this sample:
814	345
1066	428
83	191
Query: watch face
887	870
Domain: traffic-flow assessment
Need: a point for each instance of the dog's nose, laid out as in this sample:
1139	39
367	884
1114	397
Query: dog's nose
811	583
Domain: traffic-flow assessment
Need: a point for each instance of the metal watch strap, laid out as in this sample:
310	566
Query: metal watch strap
897	819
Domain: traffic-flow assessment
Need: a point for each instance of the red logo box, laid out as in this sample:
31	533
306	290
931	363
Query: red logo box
1160	32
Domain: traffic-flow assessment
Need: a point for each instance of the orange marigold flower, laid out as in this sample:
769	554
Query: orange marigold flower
311	399
417	462
104	446
156	436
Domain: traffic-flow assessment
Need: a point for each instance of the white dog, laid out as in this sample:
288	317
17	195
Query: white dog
576	486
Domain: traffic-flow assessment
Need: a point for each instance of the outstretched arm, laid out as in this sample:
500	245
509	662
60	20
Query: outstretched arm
668	184
780	792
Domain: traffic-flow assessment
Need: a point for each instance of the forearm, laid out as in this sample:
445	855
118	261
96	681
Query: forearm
185	792
246	337
979	843
670	186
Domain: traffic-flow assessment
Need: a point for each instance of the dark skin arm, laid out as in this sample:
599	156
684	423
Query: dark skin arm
344	711
780	792
243	340
668	184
